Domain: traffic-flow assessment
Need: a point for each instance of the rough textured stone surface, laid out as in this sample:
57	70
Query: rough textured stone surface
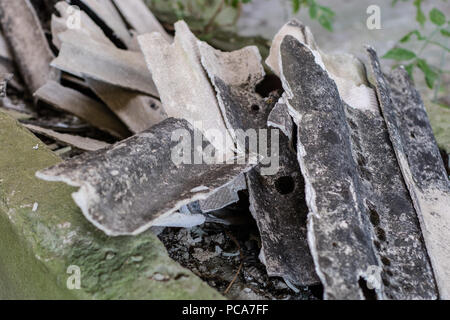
420	162
234	76
124	188
36	248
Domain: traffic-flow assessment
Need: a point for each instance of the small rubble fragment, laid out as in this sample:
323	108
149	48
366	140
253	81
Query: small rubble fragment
124	188
223	197
280	118
4	78
27	41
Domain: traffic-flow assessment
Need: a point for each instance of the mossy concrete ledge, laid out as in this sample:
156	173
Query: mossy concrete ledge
43	233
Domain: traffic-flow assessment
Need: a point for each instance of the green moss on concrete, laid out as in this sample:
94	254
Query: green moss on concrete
36	248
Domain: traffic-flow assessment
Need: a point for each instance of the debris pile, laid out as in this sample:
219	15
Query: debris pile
345	183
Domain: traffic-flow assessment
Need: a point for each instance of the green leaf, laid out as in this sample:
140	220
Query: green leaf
407	37
326	22
437	17
420	16
410	69
313	11
430	75
295	5
399	54
445	33
327	11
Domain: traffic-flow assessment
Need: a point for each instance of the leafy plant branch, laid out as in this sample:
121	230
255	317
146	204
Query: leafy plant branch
438	37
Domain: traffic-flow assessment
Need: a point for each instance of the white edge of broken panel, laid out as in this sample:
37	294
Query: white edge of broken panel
344	69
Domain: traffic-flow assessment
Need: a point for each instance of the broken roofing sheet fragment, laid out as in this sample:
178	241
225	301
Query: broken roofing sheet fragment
125	188
383	197
224	196
339	239
420	162
66	20
81	143
141	19
27	41
275	186
85	57
137	111
277	202
407	272
374	225
184	87
280	118
107	12
83	107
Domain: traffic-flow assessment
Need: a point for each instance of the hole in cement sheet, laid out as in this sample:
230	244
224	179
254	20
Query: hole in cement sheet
285	185
369	294
270	84
255	108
